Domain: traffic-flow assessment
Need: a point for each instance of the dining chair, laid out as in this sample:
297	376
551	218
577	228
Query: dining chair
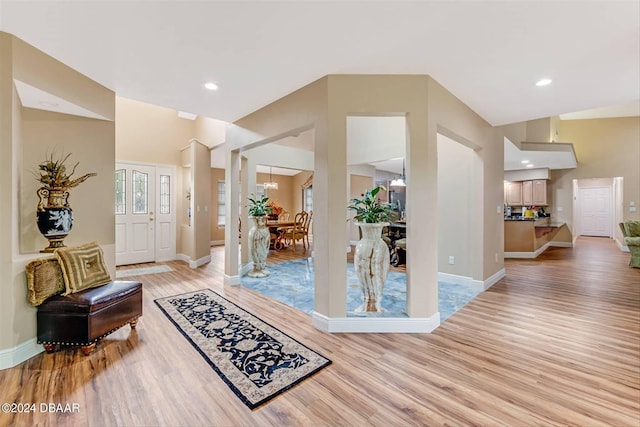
305	230
284	216
295	232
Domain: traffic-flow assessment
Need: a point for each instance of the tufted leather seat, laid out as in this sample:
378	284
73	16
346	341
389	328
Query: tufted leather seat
84	317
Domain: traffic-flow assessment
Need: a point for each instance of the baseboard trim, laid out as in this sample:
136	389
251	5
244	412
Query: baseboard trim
528	255
389	325
200	262
182	257
231	280
478	285
216	243
18	354
561	244
494	278
541	249
455	279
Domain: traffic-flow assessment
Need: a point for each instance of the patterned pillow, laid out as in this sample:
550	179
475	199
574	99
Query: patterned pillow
82	267
44	279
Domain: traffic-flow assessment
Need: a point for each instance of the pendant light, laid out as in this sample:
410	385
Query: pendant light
401	181
271	185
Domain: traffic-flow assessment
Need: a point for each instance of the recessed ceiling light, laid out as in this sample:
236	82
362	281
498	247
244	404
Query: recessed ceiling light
211	86
524	161
185	115
530	165
543	82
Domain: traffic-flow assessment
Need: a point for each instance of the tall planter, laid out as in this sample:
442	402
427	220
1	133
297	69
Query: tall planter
371	263
54	216
259	244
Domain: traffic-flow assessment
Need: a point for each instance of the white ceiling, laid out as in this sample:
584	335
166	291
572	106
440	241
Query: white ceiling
487	53
539	155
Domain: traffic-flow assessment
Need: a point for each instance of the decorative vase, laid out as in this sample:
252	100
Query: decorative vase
54	216
259	241
371	261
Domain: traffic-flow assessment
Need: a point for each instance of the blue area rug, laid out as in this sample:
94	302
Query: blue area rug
256	360
291	282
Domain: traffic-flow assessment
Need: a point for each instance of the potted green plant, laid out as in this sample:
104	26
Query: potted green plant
54	214
259	206
259	236
371	258
370	209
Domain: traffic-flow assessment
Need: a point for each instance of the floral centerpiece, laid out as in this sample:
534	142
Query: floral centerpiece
276	209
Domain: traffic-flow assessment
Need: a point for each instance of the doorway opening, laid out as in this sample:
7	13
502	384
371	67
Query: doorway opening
597	206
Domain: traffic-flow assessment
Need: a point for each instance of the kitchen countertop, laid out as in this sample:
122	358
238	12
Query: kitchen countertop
519	218
544	222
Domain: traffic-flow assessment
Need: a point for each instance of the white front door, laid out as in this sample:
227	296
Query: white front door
145	214
595	211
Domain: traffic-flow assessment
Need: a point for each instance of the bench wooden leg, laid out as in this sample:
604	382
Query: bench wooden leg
50	348
134	323
87	349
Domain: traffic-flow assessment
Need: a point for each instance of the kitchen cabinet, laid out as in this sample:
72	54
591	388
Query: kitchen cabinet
513	192
527	193
539	192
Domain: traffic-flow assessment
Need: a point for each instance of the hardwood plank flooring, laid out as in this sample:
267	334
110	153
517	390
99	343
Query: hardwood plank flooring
556	342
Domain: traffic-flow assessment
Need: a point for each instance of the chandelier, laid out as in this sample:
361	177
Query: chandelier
401	181
271	185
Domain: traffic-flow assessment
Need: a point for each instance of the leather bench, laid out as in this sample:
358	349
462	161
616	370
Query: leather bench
85	317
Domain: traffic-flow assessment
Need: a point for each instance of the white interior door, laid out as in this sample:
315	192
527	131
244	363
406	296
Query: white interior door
135	208
595	211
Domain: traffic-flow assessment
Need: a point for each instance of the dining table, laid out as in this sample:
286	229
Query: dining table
277	229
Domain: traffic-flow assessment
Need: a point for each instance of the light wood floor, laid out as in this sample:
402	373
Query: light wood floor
554	343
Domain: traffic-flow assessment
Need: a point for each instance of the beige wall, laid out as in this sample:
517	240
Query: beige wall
152	134
9	121
201	201
284	194
217	233
429	109
452	118
605	148
25	136
90	143
455	207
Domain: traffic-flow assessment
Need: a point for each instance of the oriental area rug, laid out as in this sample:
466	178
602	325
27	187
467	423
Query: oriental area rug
256	360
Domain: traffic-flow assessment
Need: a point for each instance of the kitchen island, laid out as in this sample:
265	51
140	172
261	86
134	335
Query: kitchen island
529	237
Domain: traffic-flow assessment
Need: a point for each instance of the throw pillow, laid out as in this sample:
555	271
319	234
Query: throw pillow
633	228
82	267
44	279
